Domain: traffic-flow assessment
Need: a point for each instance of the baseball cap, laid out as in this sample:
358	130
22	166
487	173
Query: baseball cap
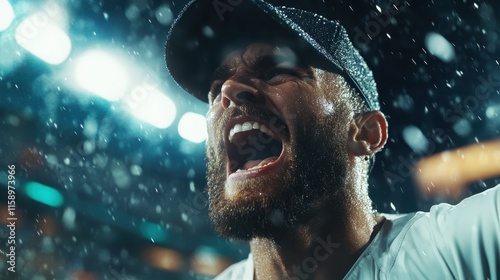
206	31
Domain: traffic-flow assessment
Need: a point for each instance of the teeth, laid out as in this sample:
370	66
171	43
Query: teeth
234	130
247	126
264	129
252	168
237	128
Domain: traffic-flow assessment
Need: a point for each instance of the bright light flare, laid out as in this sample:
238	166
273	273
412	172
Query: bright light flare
151	106
43	38
102	74
193	127
6	15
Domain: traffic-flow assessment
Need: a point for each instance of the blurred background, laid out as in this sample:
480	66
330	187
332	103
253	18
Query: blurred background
109	152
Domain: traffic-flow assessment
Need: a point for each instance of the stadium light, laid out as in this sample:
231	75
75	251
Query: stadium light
102	74
152	106
40	35
6	15
193	127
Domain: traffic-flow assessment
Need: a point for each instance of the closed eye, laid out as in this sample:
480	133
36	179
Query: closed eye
283	74
281	71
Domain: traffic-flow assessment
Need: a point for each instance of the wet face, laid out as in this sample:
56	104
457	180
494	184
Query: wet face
277	142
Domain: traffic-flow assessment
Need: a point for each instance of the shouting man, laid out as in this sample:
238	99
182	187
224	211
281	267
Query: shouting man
294	125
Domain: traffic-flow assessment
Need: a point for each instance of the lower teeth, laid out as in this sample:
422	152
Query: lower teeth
255	167
252	168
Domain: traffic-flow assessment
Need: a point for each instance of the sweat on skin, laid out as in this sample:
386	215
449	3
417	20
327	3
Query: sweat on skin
316	188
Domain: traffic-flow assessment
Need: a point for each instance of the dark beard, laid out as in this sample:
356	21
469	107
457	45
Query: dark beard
310	184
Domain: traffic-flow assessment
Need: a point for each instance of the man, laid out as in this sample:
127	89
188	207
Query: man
293	129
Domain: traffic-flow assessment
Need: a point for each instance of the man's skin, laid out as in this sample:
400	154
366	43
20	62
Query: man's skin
317	189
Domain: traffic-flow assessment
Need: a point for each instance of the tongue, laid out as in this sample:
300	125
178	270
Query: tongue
260	162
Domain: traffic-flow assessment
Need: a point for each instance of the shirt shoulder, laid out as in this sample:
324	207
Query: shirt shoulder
449	242
466	236
242	270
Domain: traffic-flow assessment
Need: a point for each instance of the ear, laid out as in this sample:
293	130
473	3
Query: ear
367	134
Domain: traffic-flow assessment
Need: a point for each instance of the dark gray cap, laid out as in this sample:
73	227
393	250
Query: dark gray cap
205	31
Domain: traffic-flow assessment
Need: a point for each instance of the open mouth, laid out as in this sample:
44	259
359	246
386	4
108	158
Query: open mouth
252	145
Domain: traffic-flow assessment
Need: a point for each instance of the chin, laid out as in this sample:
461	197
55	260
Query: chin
243	208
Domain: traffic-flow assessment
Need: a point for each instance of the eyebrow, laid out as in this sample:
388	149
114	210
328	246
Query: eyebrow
224	71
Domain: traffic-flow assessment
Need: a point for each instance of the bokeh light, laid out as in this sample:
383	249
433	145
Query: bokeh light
44	194
193	127
43	38
152	106
102	74
6	15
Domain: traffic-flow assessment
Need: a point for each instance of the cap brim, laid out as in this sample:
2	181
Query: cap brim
203	35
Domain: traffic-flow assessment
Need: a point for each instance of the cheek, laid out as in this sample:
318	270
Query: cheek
314	106
291	98
326	107
321	105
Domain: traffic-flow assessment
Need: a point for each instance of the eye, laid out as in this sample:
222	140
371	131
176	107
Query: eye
281	71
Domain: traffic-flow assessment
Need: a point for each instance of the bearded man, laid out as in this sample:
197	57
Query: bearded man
294	125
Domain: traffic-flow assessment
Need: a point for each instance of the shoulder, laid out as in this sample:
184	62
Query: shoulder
452	225
477	212
480	211
449	241
457	241
242	270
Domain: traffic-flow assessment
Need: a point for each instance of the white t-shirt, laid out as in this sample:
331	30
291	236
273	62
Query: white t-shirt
448	242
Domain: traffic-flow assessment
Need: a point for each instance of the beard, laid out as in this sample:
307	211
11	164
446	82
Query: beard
316	164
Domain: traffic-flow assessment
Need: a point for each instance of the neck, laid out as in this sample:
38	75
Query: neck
325	247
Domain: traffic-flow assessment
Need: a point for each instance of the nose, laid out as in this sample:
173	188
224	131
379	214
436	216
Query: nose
236	93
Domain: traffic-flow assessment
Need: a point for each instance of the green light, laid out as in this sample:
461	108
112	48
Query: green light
154	232
44	194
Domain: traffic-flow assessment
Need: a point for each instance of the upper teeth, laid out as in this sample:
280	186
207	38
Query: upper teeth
240	127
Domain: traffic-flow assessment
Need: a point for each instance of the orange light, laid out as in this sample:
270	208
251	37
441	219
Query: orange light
449	172
163	258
